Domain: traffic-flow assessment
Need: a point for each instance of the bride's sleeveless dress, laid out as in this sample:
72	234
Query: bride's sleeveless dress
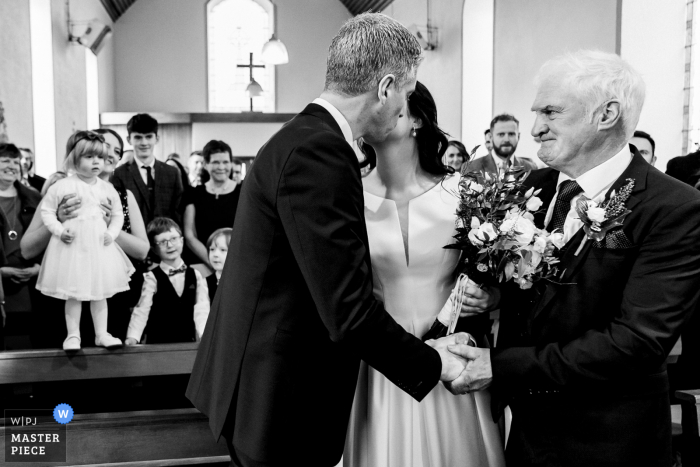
388	428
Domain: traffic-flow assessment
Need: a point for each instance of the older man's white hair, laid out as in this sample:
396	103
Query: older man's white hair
597	77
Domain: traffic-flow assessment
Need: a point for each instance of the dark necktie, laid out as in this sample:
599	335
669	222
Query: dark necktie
151	184
567	191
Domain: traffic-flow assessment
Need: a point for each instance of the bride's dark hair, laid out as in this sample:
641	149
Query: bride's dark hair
432	141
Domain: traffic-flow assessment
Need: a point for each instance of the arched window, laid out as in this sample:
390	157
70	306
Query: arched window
235	29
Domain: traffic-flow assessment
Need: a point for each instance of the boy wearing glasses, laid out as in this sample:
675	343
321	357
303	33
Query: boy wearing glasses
174	303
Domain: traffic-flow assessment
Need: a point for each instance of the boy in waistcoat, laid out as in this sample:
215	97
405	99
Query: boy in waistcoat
174	302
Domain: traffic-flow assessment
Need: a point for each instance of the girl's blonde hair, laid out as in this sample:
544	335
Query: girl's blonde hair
80	144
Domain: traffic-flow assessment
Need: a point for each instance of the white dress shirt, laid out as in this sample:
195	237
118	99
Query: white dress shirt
595	184
500	162
142	169
338	117
139	317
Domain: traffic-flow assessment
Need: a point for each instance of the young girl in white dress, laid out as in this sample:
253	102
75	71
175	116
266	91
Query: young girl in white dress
82	261
410	211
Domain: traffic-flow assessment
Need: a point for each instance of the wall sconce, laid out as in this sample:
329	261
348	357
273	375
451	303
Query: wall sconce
91	34
427	36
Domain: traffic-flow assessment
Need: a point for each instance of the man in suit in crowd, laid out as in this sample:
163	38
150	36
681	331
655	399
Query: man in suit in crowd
583	366
156	186
29	177
488	144
277	367
645	145
686	169
505	134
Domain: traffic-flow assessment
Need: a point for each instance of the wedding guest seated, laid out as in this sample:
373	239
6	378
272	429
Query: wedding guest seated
18	204
456	155
174	303
213	205
645	145
505	135
218	250
686	168
155	185
132	240
29	178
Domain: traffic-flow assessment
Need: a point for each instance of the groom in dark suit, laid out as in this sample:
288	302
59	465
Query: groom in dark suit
294	313
582	362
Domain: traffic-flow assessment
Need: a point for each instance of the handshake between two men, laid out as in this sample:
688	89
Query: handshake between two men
465	367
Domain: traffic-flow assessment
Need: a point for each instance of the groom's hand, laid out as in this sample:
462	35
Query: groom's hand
452	365
477	375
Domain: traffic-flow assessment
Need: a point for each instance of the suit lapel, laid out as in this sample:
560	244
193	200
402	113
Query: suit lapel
490	165
571	262
159	175
136	175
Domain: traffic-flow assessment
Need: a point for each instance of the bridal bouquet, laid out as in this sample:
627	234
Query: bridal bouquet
496	231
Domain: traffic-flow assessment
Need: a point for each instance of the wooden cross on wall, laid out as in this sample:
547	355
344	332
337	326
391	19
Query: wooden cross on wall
251	66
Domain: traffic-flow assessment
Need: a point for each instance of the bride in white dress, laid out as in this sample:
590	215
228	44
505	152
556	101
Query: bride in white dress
410	204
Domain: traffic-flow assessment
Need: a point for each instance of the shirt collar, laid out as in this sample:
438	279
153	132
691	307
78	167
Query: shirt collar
167	268
599	179
338	117
498	161
141	165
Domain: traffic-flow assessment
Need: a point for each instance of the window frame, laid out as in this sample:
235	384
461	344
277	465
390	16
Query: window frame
269	7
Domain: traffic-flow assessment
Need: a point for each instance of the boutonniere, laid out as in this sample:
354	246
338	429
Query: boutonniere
599	219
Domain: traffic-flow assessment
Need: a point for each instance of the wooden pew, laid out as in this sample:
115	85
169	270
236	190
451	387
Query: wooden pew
134	439
690	406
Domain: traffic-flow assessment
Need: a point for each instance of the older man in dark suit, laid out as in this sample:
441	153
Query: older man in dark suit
294	313
156	186
583	364
505	135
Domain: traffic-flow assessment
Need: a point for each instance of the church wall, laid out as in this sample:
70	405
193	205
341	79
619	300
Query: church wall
441	70
653	39
527	34
16	71
160	54
70	87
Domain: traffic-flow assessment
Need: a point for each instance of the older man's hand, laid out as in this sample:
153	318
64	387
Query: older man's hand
477	375
452	365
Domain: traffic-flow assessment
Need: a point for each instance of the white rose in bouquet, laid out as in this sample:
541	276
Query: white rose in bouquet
557	239
533	204
525	229
540	244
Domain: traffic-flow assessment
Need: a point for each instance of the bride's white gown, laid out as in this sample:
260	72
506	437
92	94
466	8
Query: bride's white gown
388	428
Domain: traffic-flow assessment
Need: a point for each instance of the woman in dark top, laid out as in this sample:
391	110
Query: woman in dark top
211	206
17	206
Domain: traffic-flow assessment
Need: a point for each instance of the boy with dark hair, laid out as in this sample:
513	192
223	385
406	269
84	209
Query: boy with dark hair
156	186
174	303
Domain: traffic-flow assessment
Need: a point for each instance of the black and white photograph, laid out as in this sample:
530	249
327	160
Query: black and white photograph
350	233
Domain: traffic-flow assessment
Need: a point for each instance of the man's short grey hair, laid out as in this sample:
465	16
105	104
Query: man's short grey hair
367	48
597	77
